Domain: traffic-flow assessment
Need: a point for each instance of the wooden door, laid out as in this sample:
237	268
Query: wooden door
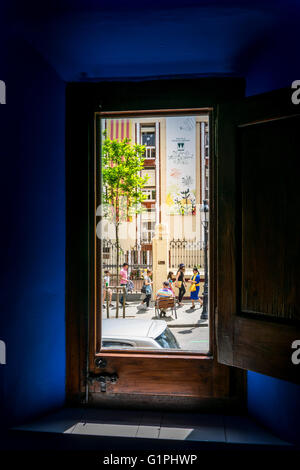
258	206
143	377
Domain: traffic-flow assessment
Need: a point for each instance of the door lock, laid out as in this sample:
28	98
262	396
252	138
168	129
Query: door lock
103	379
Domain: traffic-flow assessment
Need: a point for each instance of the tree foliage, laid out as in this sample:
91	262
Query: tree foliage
122	163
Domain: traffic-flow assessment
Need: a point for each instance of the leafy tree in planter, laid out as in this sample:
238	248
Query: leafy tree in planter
122	195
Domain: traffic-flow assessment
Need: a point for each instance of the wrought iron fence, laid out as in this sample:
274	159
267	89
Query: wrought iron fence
138	260
188	252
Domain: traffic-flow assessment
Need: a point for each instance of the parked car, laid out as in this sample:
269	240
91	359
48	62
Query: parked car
122	333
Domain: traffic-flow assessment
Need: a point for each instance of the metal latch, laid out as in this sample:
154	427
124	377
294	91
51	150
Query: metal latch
100	362
103	379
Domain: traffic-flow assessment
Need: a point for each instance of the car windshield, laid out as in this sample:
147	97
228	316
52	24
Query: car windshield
167	340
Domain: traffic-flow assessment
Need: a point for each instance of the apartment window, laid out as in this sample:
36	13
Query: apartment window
150	194
148	139
150	173
148	230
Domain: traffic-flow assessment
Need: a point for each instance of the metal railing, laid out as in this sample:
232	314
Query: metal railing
188	252
117	290
150	152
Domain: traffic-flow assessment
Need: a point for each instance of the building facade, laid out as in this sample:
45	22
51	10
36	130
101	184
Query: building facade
177	165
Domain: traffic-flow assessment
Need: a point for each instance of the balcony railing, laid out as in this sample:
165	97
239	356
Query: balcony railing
150	153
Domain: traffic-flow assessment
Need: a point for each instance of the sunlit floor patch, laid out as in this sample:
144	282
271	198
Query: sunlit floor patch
154	425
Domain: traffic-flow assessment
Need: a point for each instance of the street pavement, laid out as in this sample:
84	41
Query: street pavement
191	332
192	339
186	317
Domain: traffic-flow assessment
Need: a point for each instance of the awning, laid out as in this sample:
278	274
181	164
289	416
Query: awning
118	128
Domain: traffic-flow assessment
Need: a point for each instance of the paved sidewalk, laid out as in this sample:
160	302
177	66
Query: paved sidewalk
186	317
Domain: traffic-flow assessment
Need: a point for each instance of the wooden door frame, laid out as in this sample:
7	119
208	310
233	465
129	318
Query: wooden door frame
248	340
208	381
95	330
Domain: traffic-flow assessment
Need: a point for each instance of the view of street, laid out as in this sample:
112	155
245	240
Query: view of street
155	231
191	332
192	338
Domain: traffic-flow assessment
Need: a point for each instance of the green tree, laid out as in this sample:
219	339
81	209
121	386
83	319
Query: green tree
122	195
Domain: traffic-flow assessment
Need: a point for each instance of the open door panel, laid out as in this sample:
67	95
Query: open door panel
258	316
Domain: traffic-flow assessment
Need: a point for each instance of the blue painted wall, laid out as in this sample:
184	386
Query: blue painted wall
276	404
32	234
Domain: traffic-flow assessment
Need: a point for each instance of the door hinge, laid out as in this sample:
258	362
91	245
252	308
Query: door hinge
103	379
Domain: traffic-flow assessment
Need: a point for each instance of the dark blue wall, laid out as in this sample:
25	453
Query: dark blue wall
276	404
274	62
32	234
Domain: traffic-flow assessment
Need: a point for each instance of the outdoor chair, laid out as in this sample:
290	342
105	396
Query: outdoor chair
164	304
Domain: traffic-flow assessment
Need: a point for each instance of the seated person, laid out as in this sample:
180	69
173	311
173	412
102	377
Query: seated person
164	293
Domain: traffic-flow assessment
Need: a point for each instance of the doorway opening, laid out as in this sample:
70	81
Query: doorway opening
153	229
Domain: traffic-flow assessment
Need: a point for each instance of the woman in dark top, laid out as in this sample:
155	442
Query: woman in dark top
180	283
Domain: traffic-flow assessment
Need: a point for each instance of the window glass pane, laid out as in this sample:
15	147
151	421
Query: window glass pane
151	176
154	232
148	139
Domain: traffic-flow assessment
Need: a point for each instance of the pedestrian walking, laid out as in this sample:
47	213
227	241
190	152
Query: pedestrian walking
124	279
147	290
180	283
170	280
195	287
106	290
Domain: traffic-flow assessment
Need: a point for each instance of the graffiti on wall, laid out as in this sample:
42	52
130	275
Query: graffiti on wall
181	164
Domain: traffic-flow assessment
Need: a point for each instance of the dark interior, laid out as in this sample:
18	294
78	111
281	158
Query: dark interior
45	47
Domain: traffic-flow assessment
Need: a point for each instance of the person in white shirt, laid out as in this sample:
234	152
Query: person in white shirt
148	290
106	290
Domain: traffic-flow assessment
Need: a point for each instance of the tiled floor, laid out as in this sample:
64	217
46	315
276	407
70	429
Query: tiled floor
155	425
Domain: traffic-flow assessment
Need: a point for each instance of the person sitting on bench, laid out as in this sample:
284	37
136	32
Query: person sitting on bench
164	293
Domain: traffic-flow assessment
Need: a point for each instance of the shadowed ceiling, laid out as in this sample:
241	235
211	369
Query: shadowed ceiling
89	39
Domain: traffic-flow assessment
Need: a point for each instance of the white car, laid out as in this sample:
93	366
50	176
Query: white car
120	333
